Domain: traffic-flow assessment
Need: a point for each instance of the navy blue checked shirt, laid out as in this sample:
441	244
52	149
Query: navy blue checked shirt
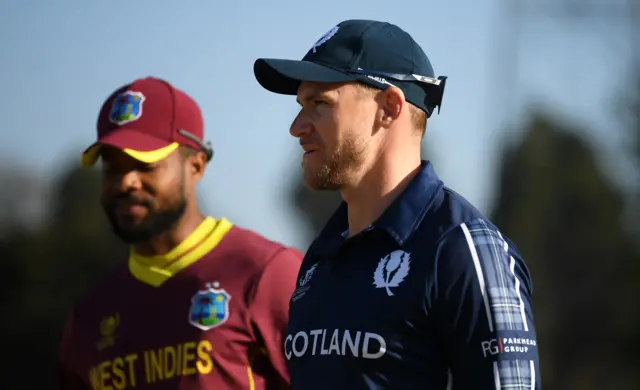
431	296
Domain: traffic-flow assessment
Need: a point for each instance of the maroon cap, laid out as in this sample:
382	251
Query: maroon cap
148	119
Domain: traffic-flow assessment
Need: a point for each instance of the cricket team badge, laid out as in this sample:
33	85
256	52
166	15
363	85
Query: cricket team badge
392	270
328	35
209	307
127	107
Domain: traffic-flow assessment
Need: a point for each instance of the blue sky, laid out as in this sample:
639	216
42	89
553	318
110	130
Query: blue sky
61	59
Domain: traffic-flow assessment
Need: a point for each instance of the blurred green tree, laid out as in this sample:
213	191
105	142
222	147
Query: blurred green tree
46	270
634	123
631	113
314	208
566	217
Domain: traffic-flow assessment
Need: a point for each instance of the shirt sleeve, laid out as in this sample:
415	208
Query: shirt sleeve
270	307
484	311
68	379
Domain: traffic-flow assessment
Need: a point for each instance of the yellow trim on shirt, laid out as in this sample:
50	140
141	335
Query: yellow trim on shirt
155	270
252	382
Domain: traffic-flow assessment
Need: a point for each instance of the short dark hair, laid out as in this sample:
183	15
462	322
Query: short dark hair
186	151
418	117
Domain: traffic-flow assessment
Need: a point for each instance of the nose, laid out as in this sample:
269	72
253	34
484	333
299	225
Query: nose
131	181
123	181
300	127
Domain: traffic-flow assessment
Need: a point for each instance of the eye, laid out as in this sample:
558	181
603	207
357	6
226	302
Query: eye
318	102
107	170
146	167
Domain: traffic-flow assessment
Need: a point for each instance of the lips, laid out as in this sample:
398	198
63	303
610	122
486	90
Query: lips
135	210
309	148
129	208
311	151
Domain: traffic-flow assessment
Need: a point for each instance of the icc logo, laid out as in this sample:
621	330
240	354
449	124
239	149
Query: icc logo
127	107
108	327
303	283
307	276
209	308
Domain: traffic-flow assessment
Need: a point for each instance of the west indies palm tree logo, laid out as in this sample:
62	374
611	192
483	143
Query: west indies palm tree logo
209	307
127	107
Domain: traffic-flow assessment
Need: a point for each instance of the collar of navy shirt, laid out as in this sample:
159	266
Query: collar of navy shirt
400	220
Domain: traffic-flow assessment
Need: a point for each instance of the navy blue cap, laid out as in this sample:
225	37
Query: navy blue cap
375	53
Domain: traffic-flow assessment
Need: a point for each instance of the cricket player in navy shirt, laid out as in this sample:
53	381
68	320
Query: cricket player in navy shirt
408	286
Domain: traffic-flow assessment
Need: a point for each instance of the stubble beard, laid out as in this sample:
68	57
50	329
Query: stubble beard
157	221
337	170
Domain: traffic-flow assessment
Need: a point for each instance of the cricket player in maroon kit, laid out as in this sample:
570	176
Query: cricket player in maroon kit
200	303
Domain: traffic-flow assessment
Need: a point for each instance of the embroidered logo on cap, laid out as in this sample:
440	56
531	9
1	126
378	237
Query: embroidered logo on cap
127	107
325	38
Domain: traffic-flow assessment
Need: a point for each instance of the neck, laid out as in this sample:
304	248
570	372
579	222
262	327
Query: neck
378	187
166	241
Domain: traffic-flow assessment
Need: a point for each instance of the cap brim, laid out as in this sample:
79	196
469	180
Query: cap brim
141	146
284	76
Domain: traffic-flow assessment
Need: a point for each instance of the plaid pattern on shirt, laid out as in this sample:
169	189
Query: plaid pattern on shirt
502	296
514	375
502	285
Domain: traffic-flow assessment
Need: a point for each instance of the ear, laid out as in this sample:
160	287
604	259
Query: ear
195	166
392	105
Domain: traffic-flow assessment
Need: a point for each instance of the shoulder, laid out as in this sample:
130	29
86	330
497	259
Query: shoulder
476	253
450	215
450	210
259	250
478	240
465	243
271	267
90	304
443	222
